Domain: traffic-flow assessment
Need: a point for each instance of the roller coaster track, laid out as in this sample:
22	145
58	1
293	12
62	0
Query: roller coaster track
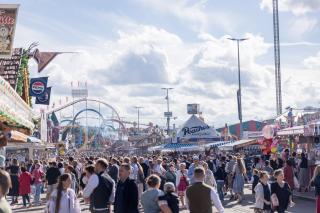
78	101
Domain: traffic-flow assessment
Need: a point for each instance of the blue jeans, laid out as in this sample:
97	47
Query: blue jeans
220	185
37	193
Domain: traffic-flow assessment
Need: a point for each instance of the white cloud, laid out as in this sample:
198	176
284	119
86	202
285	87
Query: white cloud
313	62
302	25
190	11
129	67
297	7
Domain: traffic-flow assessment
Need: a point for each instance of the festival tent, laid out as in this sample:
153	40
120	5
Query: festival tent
196	130
238	144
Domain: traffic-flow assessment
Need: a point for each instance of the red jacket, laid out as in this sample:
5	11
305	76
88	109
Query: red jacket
24	183
288	176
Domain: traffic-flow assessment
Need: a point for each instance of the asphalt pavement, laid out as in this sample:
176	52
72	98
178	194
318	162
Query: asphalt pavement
302	205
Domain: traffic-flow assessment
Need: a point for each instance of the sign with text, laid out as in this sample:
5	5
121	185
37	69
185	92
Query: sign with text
193	109
8	20
9	67
168	114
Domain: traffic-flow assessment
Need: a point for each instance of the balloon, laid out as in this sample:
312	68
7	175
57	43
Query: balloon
275	142
268	131
274	149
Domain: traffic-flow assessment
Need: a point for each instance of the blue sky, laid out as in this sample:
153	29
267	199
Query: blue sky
130	49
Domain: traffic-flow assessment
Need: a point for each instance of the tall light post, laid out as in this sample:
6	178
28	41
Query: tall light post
167	114
138	109
238	40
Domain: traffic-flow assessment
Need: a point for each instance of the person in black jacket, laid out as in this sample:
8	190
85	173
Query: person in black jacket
170	197
221	177
126	199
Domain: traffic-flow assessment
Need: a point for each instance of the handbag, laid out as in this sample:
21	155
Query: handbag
274	200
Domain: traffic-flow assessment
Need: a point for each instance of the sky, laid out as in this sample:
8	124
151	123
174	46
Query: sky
128	50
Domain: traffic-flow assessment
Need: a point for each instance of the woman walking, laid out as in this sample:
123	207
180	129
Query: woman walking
209	177
280	191
63	199
316	182
37	176
289	174
25	186
304	173
182	182
263	194
14	171
238	183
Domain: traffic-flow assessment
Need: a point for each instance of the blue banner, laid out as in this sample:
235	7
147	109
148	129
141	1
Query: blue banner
38	86
45	98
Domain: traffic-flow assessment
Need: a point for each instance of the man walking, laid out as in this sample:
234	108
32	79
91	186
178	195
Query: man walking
52	175
126	199
201	196
114	170
100	189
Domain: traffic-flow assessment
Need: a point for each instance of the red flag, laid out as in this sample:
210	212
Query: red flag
44	58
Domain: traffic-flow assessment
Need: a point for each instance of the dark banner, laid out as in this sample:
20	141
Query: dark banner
38	86
8	20
45	98
9	67
44	58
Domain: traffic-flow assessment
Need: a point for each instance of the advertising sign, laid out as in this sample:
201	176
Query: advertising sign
9	67
193	109
38	86
8	20
168	114
45	98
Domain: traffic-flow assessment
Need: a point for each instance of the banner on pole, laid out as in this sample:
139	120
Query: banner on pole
45	98
8	20
38	86
44	58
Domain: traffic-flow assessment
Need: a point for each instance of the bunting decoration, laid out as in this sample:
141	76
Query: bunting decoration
38	86
45	98
44	58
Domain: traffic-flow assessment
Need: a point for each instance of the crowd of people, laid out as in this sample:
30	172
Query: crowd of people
156	183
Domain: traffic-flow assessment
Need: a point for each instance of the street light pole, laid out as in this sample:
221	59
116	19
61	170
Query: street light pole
138	108
238	40
168	109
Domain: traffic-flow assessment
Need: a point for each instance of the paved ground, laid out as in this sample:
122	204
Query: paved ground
302	206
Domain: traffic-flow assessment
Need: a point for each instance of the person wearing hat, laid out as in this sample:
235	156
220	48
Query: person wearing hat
170	198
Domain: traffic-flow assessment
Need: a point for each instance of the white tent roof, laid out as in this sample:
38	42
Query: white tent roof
195	128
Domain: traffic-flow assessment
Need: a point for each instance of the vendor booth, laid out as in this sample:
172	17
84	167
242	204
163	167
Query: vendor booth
196	130
194	136
241	145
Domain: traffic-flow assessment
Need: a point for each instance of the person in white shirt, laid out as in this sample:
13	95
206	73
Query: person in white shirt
91	180
63	199
100	188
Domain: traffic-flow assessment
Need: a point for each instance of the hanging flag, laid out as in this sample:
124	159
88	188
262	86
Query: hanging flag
45	98
54	119
8	20
38	86
44	58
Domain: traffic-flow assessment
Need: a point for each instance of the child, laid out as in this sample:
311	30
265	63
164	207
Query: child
254	180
